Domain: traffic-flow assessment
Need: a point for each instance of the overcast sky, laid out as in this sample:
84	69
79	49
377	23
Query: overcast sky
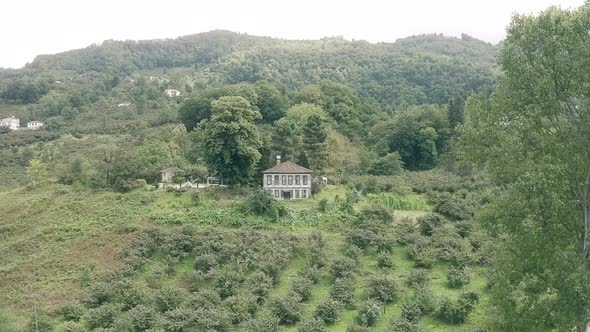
32	27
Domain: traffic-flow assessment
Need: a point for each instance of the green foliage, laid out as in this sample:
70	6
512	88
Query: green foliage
169	298
142	318
389	164
384	260
342	267
98	294
455	312
429	223
403	325
383	288
231	139
287	308
369	312
37	172
416	203
71	311
312	325
262	203
266	322
39	322
301	286
457	277
328	311
342	290
178	320
314	142
103	316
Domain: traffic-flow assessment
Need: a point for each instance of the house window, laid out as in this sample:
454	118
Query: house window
290	179
296	193
297	180
304	192
276	180
269	180
284	180
304	180
276	193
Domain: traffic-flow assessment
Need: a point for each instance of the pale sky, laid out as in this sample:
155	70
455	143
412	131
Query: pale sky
32	27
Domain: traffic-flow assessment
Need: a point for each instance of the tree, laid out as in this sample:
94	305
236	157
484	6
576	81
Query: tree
271	102
36	172
390	164
533	135
286	138
456	112
314	142
231	139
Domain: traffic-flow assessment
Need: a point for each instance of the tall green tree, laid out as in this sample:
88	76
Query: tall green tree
232	140
533	135
315	145
456	112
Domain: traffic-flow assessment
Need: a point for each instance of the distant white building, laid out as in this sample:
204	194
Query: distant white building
11	122
287	180
123	104
172	92
35	124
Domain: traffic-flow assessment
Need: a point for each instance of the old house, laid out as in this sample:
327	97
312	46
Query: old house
172	92
287	180
169	173
35	124
11	122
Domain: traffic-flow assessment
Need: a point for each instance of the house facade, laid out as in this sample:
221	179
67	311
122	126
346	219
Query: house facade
168	174
287	180
11	122
35	124
172	92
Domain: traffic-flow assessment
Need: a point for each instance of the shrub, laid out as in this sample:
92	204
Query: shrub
342	267
39	322
196	198
205	298
287	308
241	307
311	272
205	262
411	311
142	318
302	287
377	213
369	312
71	327
71	311
423	299
312	325
178	320
403	325
342	290
132	295
417	277
354	252
228	281
266	322
453	206
422	253
260	285
383	288
457	277
98	294
328	311
455	312
429	223
357	328
103	316
169	298
316	247
384	259
323	205
213	319
262	203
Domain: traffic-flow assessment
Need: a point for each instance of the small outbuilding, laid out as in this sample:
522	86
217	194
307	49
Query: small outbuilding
169	173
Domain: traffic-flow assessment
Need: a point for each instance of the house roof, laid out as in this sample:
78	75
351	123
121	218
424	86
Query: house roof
288	167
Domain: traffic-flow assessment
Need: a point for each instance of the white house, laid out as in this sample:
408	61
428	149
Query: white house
172	92
35	124
287	180
123	104
11	122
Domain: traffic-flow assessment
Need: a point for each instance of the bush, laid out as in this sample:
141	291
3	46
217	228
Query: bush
311	272
417	277
328	311
422	253
377	213
429	223
205	262
132	295
457	277
357	328
103	316
342	267
423	299
342	290
411	311
383	288
178	320
266	322
169	298
213	319
312	325
71	311
456	312
316	247
262	203
260	285
241	307
71	327
323	205
142	318
403	325
39	322
228	281
369	312
354	252
302	287
98	294
455	206
287	308
384	260
196	198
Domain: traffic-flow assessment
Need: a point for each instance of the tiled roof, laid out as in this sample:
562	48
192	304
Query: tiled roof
288	167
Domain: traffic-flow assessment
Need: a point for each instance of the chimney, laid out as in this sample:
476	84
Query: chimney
278	159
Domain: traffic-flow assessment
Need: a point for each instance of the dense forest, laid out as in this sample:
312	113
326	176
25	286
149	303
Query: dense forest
456	195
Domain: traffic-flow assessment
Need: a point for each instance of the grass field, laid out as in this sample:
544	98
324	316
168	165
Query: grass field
55	238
